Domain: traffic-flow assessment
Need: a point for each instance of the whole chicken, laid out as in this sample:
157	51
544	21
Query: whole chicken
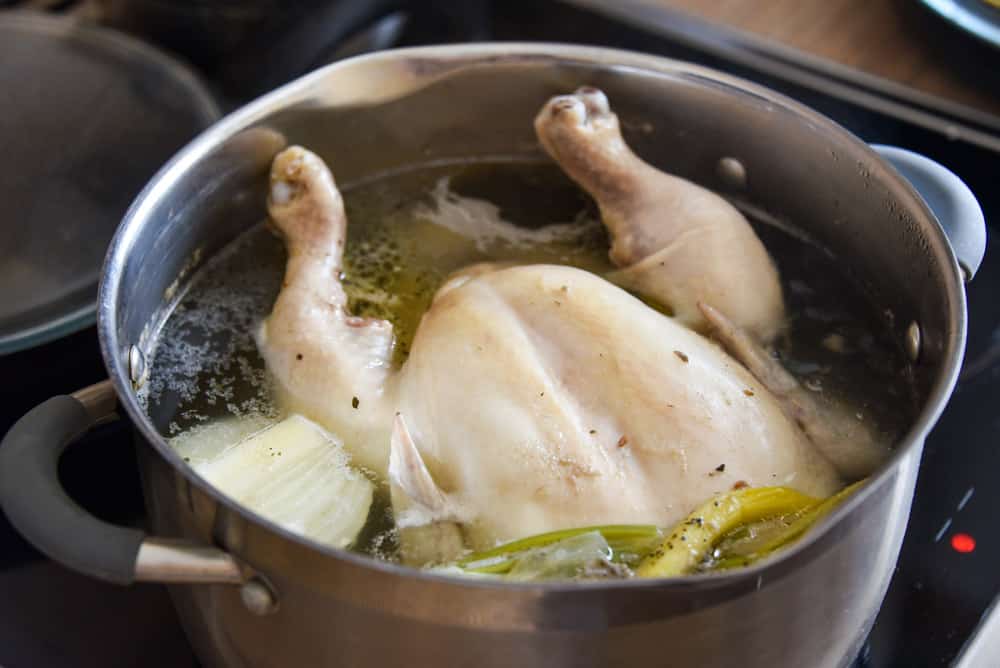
541	397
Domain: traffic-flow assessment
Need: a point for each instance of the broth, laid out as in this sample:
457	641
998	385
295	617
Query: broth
409	230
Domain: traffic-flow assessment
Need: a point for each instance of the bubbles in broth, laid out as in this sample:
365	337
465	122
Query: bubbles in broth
408	231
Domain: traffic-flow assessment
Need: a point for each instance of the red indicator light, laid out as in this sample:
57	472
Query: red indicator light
963	542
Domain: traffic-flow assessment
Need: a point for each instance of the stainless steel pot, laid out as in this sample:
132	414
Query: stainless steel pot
256	595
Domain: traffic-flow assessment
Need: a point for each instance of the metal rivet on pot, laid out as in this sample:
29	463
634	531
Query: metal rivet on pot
258	597
732	172
912	342
136	365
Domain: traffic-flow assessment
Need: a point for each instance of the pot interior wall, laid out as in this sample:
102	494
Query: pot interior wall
377	115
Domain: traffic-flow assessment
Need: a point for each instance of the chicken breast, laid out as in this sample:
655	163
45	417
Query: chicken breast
544	397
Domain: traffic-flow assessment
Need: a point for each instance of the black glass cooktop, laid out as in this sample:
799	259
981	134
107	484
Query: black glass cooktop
947	574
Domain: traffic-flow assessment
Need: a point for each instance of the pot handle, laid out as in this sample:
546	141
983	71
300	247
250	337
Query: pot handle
39	508
953	204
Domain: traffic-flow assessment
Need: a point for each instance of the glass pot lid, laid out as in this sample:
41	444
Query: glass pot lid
87	116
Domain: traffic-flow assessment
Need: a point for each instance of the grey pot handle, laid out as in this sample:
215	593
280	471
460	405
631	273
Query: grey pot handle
953	204
49	519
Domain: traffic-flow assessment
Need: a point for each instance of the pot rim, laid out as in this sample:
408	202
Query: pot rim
115	351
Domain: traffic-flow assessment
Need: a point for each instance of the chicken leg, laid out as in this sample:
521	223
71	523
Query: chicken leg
328	365
844	439
676	243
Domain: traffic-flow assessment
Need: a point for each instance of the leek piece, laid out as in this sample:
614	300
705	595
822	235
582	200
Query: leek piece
795	526
695	536
293	473
781	514
627	543
586	554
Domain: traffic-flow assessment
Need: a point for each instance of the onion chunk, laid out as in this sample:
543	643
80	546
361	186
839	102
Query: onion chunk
293	473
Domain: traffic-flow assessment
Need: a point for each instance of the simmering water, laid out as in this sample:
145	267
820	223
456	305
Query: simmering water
410	230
